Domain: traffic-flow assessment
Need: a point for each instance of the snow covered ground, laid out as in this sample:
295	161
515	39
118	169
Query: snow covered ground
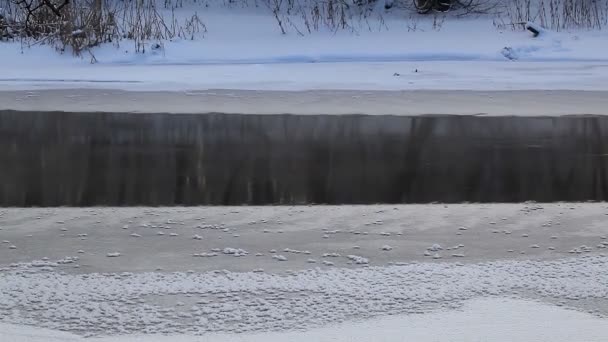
245	50
249	36
487	319
306	273
423	75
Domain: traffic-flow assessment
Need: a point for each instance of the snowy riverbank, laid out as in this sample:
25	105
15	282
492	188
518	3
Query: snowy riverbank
245	50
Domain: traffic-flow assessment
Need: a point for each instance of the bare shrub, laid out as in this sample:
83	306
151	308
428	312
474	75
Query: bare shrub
558	14
82	24
314	15
6	30
478	7
79	25
276	7
458	7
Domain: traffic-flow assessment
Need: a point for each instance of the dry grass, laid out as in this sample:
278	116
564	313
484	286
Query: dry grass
558	14
354	15
84	24
312	15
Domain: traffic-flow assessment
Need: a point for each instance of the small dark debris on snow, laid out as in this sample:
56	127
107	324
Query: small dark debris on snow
509	53
535	29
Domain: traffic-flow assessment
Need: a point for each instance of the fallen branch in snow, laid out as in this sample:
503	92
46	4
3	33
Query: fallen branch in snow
535	29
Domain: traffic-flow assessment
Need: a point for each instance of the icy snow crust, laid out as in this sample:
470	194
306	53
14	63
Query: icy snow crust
323	102
547	252
189	303
483	319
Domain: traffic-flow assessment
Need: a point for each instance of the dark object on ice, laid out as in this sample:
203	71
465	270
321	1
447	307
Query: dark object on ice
535	29
397	74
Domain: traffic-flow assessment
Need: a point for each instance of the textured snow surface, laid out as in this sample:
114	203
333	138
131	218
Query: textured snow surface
414	232
487	319
221	301
281	275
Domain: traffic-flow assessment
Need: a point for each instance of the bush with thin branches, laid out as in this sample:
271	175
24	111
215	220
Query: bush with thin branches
558	14
79	25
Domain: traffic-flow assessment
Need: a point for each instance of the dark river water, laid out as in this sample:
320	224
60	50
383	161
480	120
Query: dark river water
73	159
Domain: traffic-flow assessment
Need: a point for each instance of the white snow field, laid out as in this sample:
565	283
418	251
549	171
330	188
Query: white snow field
497	320
423	75
243	48
500	272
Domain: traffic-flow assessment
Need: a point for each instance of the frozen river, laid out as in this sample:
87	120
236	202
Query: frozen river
246	270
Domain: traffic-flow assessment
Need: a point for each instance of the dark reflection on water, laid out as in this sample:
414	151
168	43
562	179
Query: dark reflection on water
51	159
